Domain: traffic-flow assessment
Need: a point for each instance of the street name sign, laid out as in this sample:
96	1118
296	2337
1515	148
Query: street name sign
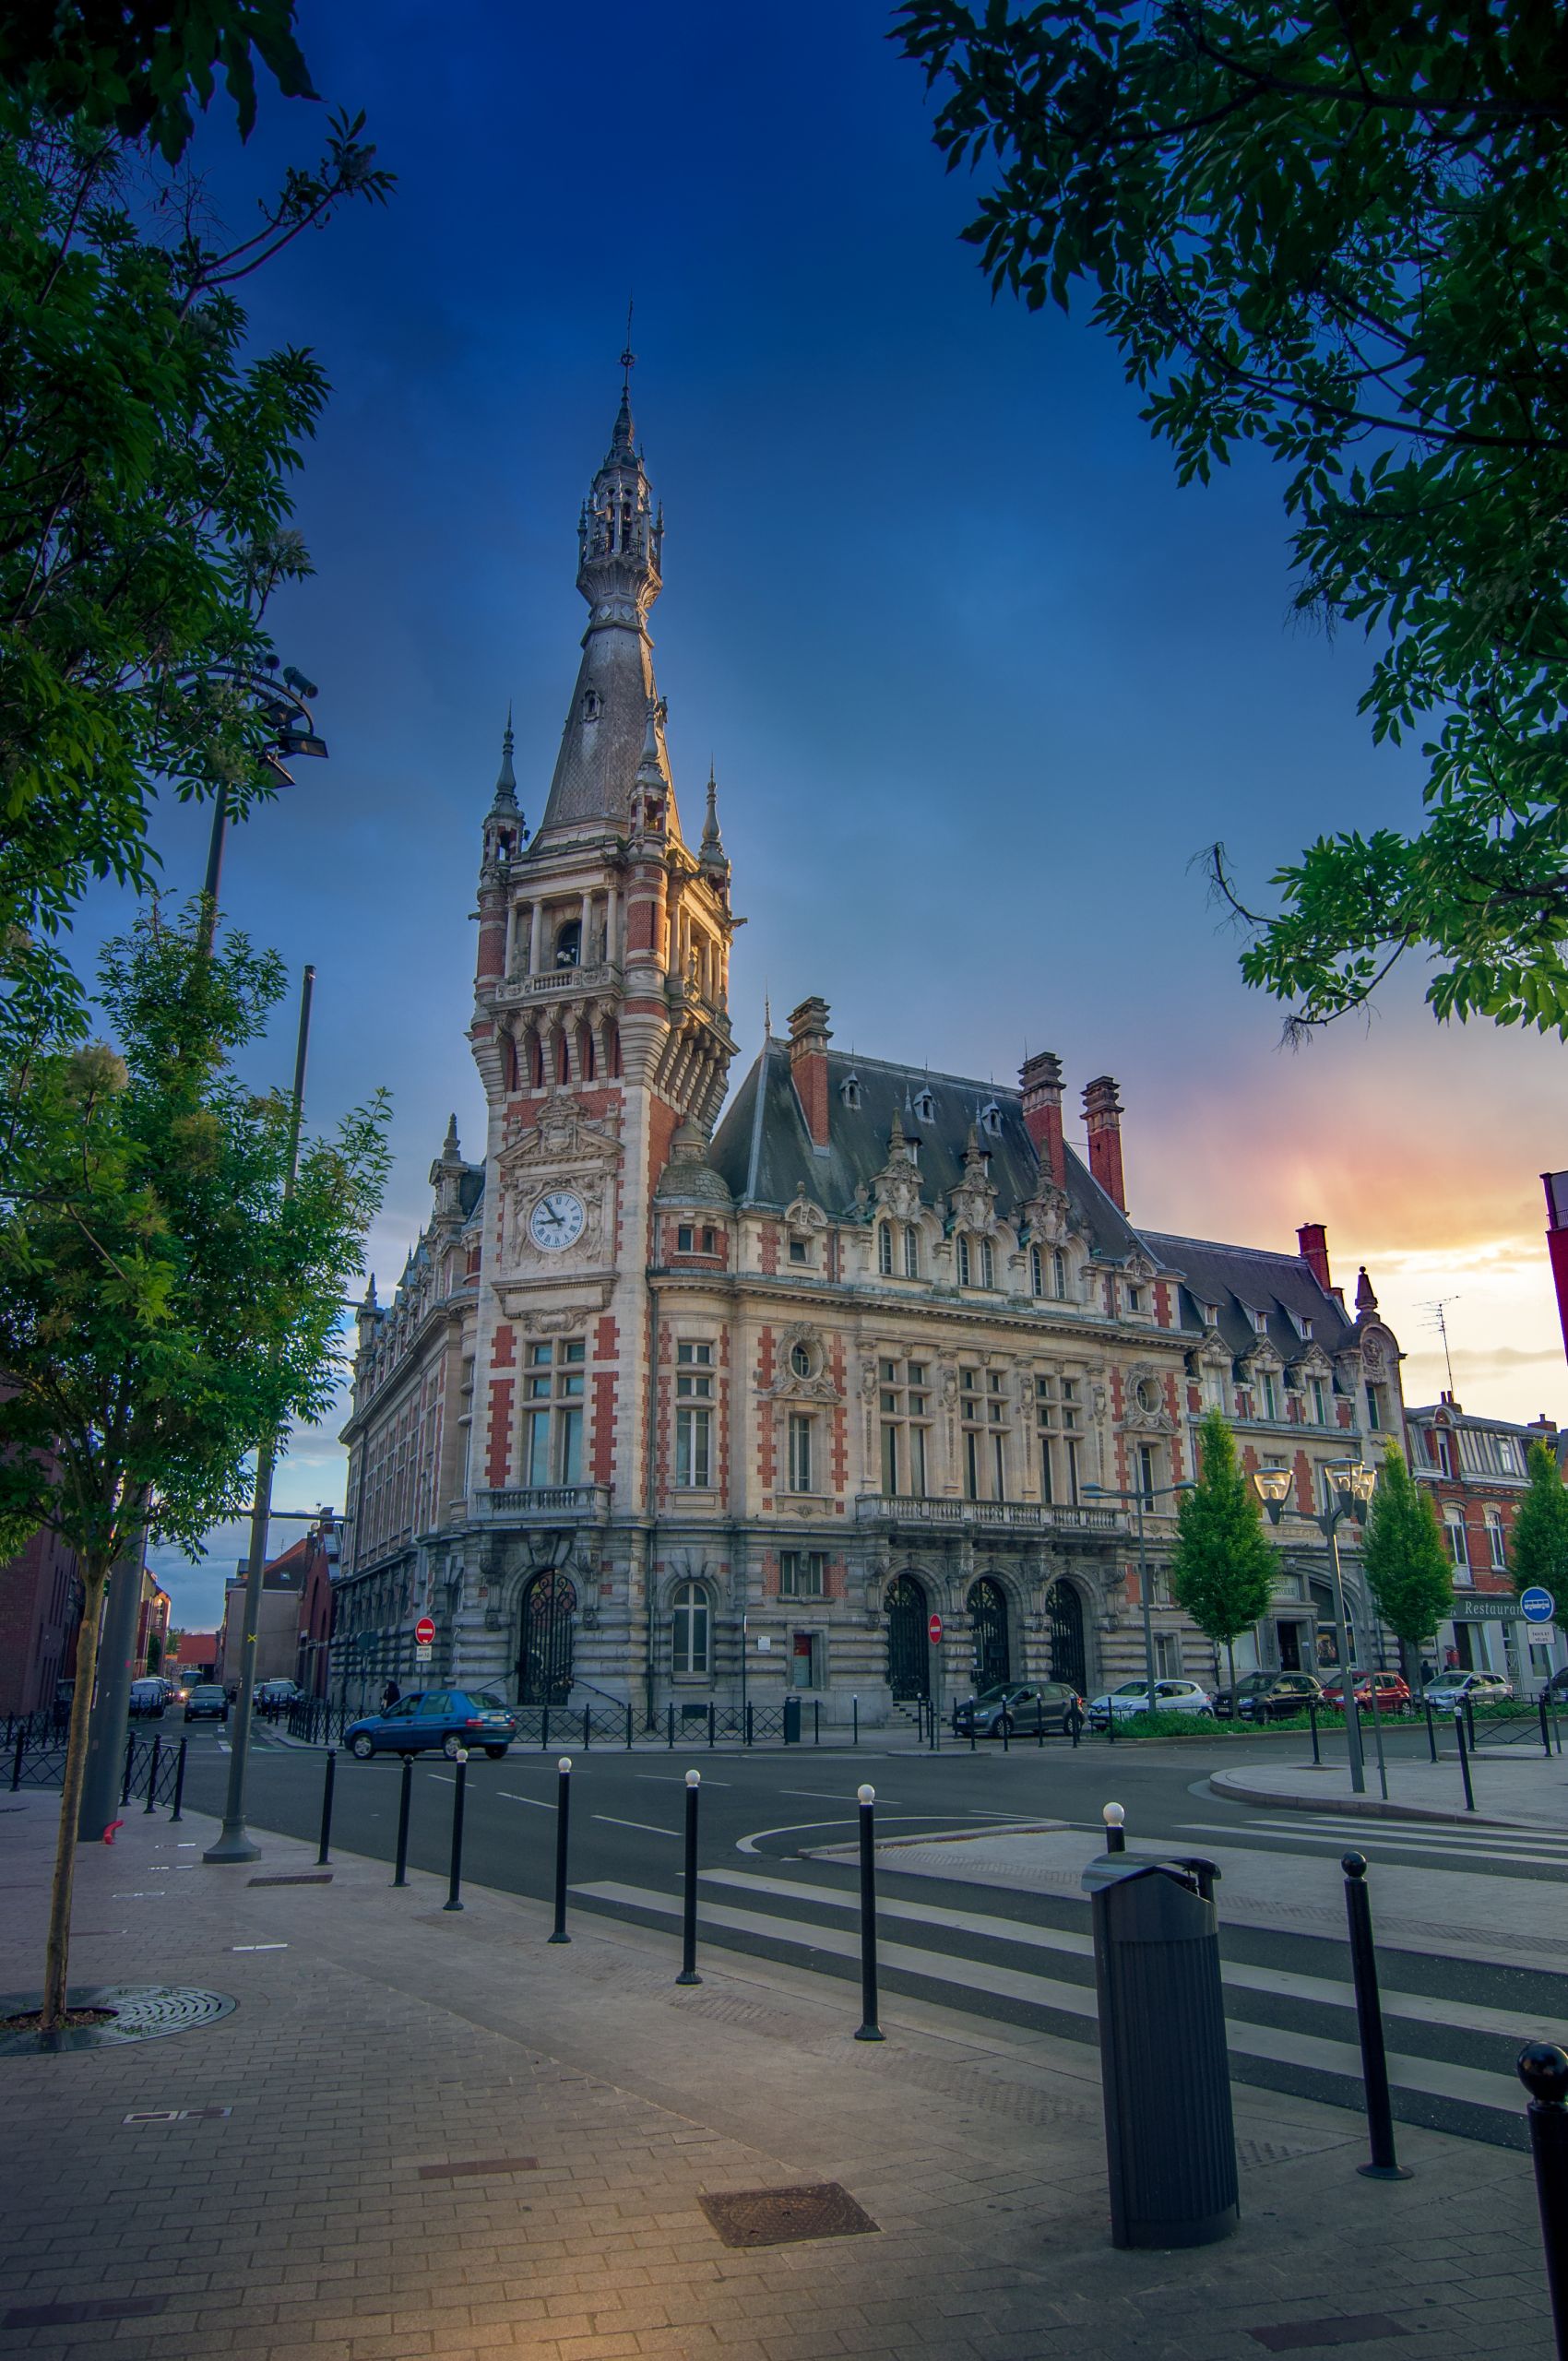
1537	1605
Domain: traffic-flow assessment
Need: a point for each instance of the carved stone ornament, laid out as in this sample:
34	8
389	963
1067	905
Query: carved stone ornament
1374	1357
1135	1417
564	1149
804	1217
1050	1217
789	1386
973	1202
560	1323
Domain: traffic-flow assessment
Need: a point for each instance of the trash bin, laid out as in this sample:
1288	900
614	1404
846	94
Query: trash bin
1169	2138
791	1721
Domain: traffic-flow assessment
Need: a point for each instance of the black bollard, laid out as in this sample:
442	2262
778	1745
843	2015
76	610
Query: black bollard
544	1732
587	1731
971	1730
689	1914
868	2029
179	1781
1115	1821
152	1771
1384	2165
1464	1758
1470	1720
712	1723
748	1736
327	1786
1545	1729
669	1726
1543	2070
454	1879
563	1811
1006	1731
1109	1721
855	1720
405	1804
16	1756
817	1721
1432	1729
1074	1724
628	1729
1312	1716
130	1767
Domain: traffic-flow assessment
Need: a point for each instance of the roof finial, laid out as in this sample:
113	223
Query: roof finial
712	842
506	783
628	358
621	443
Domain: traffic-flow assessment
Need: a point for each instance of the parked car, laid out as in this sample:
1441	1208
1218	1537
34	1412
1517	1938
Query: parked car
274	1697
1268	1696
150	1697
1482	1688
1169	1697
449	1718
1393	1693
1014	1708
1557	1687
206	1700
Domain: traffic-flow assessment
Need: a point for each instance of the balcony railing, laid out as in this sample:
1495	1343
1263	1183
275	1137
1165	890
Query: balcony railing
550	980
553	1503
1031	1516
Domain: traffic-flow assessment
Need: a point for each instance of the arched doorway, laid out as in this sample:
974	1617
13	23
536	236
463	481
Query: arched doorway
987	1606
545	1657
908	1651
1064	1628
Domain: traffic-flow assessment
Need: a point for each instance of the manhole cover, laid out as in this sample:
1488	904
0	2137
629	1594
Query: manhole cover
775	2217
142	2013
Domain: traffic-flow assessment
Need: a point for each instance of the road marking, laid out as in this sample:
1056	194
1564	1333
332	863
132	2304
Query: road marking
1372	1839
507	1797
646	1826
831	1795
803	1827
678	1778
446	1779
258	1947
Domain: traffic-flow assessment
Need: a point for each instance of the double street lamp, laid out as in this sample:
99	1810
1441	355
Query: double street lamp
1140	1499
1350	1489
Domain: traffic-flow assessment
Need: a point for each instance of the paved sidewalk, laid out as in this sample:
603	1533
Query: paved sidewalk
446	2138
1515	1790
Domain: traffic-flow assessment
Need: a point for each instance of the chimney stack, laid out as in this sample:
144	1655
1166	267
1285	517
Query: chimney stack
1311	1243
1041	1077
809	1038
1102	1113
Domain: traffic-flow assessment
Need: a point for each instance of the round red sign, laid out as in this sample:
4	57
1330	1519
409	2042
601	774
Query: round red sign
424	1631
934	1629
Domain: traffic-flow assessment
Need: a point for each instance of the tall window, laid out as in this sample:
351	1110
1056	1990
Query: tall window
1377	1416
1268	1394
987	1264
906	1413
1458	1539
1147	1473
802	1574
1495	1537
694	1417
690	1629
552	1415
1037	1271
982	1410
1059	1274
911	1252
884	1248
1059	1428
963	1260
801	1441
1320	1400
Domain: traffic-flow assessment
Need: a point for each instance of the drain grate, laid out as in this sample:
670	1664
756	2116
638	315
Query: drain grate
1302	2336
482	2165
295	1877
93	2308
178	2115
141	2012
777	2217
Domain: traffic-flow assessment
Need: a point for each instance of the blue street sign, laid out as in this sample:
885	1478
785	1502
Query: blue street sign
1537	1605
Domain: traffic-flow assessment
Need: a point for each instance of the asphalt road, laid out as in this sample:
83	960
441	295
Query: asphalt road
1453	2026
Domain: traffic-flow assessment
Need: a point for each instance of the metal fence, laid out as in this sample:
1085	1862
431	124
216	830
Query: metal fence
154	1770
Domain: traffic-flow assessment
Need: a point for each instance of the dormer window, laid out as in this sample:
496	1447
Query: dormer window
1135	1298
991	1120
850	1090
591	707
1305	1327
925	1107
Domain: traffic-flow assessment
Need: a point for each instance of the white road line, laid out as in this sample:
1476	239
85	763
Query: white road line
258	1947
830	1795
678	1778
507	1797
646	1826
1368	1839
1434	2077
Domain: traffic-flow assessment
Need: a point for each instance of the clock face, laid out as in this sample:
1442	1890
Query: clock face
556	1221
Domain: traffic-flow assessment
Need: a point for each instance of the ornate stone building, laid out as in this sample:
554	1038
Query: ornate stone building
673	1413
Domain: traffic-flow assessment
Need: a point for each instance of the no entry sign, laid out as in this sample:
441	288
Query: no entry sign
425	1633
934	1630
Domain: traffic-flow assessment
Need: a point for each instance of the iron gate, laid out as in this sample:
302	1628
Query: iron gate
544	1661
1064	1622
988	1629
909	1650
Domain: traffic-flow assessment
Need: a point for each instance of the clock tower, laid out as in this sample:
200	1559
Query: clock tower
601	1030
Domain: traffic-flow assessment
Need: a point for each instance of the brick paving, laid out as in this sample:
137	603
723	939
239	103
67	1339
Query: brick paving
390	2037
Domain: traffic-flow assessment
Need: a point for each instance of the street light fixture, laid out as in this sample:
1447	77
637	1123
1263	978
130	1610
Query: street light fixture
1351	1487
1144	1494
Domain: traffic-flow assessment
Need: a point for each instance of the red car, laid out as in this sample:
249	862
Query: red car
1393	1693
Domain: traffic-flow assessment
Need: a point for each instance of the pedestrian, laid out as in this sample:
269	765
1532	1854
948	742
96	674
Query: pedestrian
1428	1675
389	1696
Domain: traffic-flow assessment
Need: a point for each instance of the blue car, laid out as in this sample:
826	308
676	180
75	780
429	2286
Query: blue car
449	1718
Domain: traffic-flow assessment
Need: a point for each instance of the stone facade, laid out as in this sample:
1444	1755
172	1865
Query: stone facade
1473	1471
674	1414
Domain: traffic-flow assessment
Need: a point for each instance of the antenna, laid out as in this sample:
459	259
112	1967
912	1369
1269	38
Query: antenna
1440	1321
628	358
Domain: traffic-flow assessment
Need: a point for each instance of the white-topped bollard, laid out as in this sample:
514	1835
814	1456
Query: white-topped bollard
1115	1821
689	1917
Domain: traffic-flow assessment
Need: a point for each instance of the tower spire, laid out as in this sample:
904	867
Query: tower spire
506	783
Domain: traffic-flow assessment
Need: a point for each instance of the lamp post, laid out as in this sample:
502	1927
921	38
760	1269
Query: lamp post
1351	1487
1138	1499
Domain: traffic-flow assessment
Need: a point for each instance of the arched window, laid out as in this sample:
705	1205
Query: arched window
689	1631
884	1248
925	1108
1494	1534
1059	1274
911	1252
987	1264
1458	1539
991	1120
963	1260
584	1052
850	1090
1037	1271
536	1062
569	942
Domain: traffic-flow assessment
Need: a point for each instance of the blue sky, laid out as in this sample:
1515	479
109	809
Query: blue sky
977	680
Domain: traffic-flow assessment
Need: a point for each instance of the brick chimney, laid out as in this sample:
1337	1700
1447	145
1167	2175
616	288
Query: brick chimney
1041	1077
1312	1241
1102	1113
809	1038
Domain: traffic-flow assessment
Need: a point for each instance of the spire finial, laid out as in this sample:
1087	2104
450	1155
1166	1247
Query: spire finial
712	852
628	358
506	781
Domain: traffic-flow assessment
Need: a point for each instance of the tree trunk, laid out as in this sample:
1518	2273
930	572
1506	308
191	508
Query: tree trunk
1230	1668
57	1947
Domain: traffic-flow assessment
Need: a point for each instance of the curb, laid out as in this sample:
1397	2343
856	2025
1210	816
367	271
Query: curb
1233	1788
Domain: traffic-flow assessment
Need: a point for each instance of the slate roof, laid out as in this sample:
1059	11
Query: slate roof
1237	1280
764	1152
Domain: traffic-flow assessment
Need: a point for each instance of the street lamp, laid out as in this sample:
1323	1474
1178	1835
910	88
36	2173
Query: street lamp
1351	1487
1139	1498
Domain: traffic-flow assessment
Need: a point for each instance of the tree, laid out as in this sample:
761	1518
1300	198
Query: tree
1537	1546
154	1653
1409	1568
1224	1569
135	70
163	1304
1335	233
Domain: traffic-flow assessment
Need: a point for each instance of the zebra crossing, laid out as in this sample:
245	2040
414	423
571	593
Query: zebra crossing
1451	2053
1431	1845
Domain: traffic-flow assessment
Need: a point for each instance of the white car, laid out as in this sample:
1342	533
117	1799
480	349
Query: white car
1169	1697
